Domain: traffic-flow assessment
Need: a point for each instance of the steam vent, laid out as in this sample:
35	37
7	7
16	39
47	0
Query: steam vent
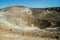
25	23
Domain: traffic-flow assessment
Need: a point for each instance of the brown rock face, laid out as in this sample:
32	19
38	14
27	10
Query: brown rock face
41	23
52	16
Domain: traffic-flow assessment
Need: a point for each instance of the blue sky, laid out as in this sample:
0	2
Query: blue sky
30	3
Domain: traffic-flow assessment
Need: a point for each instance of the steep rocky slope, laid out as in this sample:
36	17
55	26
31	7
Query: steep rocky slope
24	23
50	15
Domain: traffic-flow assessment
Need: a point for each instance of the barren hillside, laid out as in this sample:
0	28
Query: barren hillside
24	23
